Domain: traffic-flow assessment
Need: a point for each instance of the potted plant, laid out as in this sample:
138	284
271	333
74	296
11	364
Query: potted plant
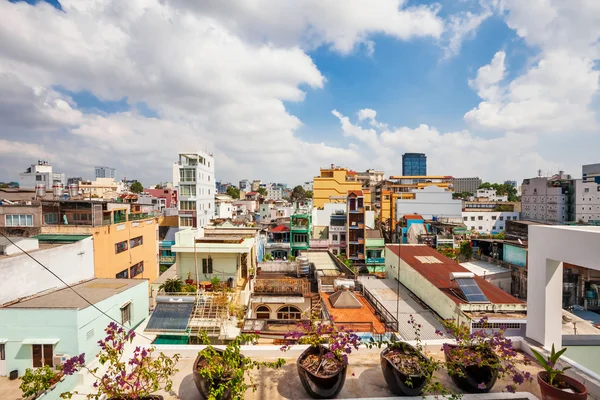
39	380
221	374
322	366
553	383
407	370
117	379
479	358
189	279
172	285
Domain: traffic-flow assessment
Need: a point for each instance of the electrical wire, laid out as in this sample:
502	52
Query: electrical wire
70	287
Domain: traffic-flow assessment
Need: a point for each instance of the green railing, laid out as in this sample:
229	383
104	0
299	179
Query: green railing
375	260
117	219
136	217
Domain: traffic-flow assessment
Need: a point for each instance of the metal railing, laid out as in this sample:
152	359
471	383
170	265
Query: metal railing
389	321
137	217
282	286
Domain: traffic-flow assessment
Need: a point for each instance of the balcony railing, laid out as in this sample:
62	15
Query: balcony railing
282	286
166	259
299	227
319	243
277	245
375	260
299	244
137	217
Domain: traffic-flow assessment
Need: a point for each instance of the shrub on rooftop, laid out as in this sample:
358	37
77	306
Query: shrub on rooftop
136	378
37	381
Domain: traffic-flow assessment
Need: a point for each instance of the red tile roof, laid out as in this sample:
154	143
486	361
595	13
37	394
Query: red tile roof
439	273
350	172
357	319
355	192
251	193
280	228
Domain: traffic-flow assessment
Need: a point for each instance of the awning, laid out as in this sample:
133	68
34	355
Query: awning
170	317
40	341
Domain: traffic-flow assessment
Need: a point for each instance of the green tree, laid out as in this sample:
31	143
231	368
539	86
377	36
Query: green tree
298	193
233	192
262	191
502	189
309	194
466	250
137	187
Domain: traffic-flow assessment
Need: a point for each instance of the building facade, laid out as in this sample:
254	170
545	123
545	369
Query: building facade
301	232
414	164
333	184
587	200
355	227
274	192
490	195
105	172
430	202
488	222
245	185
591	173
370	177
194	176
40	174
547	199
466	185
166	196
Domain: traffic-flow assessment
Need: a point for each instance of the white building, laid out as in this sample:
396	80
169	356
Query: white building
488	222
40	173
22	276
591	172
194	176
223	207
105	172
274	192
490	195
587	200
370	177
244	185
546	199
307	186
431	201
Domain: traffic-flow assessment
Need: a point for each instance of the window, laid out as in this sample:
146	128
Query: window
126	313
186	221
51	219
342	237
187	205
289	312
136	269
335	252
480	218
300	238
334	238
501	218
480	227
188	190
2	352
82	218
501	227
120	247
472	218
263	312
135	242
42	354
187	175
493	217
472	228
207	265
38	177
465	218
123	274
586	190
19	220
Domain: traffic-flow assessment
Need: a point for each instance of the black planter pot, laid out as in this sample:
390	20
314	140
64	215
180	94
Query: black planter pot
319	387
397	379
203	384
473	375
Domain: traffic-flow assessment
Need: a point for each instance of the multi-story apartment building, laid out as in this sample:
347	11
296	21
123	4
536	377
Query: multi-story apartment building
490	195
106	172
466	185
194	176
548	199
370	177
430	202
488	222
511	183
591	173
355	226
301	232
587	201
40	174
245	185
256	184
274	192
338	222
333	185
167	197
307	186
414	164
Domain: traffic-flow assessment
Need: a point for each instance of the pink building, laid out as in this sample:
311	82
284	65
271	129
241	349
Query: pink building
170	196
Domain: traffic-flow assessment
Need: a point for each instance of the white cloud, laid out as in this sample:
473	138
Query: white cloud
461	27
489	76
366	113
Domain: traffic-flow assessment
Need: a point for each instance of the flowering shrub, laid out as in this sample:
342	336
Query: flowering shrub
332	341
135	378
228	369
478	348
36	381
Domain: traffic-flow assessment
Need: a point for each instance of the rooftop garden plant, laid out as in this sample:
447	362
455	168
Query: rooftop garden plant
172	285
322	366
136	378
37	381
480	357
553	383
225	374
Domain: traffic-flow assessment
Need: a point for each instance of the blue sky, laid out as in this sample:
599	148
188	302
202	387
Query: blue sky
131	84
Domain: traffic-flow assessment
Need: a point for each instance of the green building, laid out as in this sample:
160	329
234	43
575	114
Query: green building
375	247
300	229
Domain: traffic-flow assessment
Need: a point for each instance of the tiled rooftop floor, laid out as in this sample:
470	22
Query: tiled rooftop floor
364	314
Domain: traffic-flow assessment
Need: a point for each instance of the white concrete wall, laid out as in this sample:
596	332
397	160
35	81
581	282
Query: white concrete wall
21	276
322	217
224	210
549	247
542	203
274	307
587	201
27	244
429	202
488	221
225	266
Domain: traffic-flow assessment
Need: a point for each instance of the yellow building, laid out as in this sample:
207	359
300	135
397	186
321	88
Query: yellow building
333	184
125	240
408	183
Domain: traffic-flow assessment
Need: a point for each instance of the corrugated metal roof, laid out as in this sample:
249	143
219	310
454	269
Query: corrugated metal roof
439	273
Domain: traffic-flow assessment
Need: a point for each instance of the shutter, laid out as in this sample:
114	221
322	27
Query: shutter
48	354
36	350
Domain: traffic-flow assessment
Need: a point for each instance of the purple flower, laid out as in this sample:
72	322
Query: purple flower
481	386
510	388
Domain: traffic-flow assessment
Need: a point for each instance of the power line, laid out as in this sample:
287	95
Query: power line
70	287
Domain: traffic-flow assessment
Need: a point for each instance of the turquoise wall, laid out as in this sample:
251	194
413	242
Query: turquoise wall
70	326
515	255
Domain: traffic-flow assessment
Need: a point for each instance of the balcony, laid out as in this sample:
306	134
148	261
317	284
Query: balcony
140	216
336	228
297	228
358	225
299	245
166	259
282	286
375	260
278	245
191	213
319	243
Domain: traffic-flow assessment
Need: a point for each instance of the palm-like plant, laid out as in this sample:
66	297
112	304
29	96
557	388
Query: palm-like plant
172	285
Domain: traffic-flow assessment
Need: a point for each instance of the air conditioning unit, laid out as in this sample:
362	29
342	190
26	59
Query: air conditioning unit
59	359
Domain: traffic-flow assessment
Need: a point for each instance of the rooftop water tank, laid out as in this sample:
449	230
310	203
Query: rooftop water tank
40	190
303	268
73	189
57	189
